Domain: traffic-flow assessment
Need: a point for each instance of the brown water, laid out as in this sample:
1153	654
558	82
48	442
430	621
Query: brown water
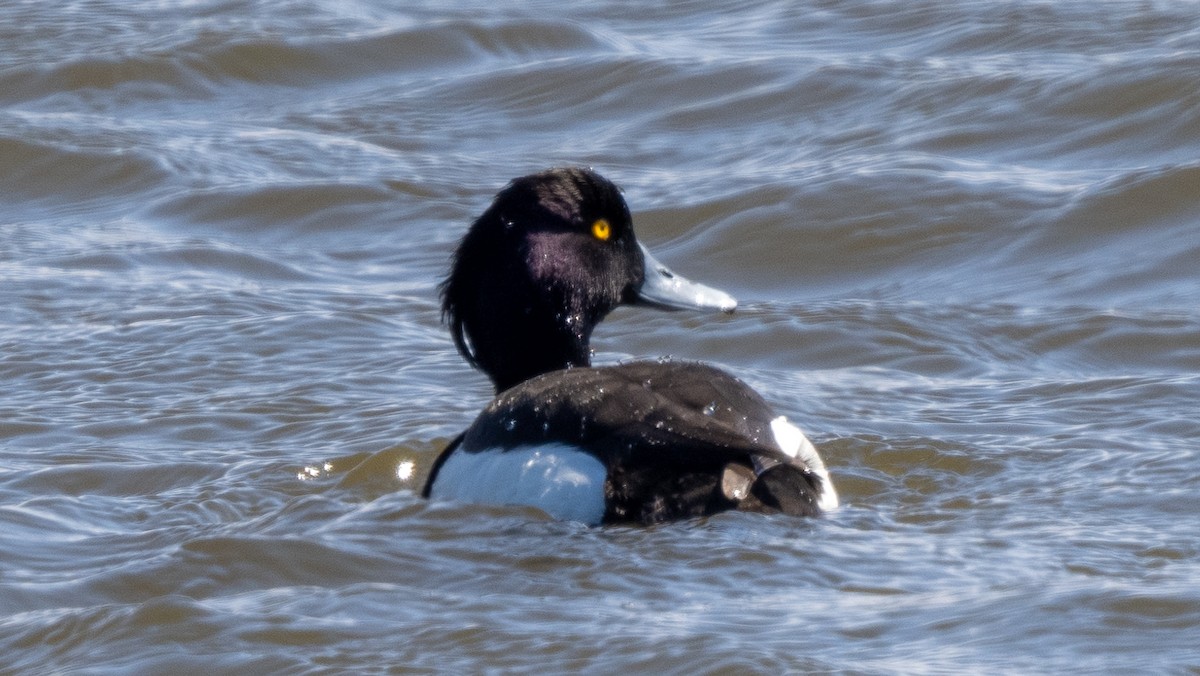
965	235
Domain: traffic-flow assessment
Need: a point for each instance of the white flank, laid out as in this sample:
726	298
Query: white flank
559	479
793	442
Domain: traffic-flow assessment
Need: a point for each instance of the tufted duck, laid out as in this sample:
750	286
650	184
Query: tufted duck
645	441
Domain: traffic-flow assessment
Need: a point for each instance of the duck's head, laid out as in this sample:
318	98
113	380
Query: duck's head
552	255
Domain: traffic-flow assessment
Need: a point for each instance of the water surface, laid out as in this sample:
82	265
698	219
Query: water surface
965	237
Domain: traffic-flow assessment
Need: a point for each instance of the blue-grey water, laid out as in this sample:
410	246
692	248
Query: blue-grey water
965	236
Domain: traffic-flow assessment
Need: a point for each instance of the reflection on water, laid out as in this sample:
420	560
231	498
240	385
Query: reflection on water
964	235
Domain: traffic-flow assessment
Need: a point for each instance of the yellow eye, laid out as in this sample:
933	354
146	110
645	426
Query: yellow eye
601	230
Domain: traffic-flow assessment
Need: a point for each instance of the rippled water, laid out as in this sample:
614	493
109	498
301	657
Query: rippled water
966	237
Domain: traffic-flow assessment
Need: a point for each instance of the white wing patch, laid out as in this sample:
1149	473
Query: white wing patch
793	442
561	480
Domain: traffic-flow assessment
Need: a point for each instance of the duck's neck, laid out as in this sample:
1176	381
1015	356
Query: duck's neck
534	350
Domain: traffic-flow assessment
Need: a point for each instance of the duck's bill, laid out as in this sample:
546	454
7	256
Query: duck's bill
664	288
